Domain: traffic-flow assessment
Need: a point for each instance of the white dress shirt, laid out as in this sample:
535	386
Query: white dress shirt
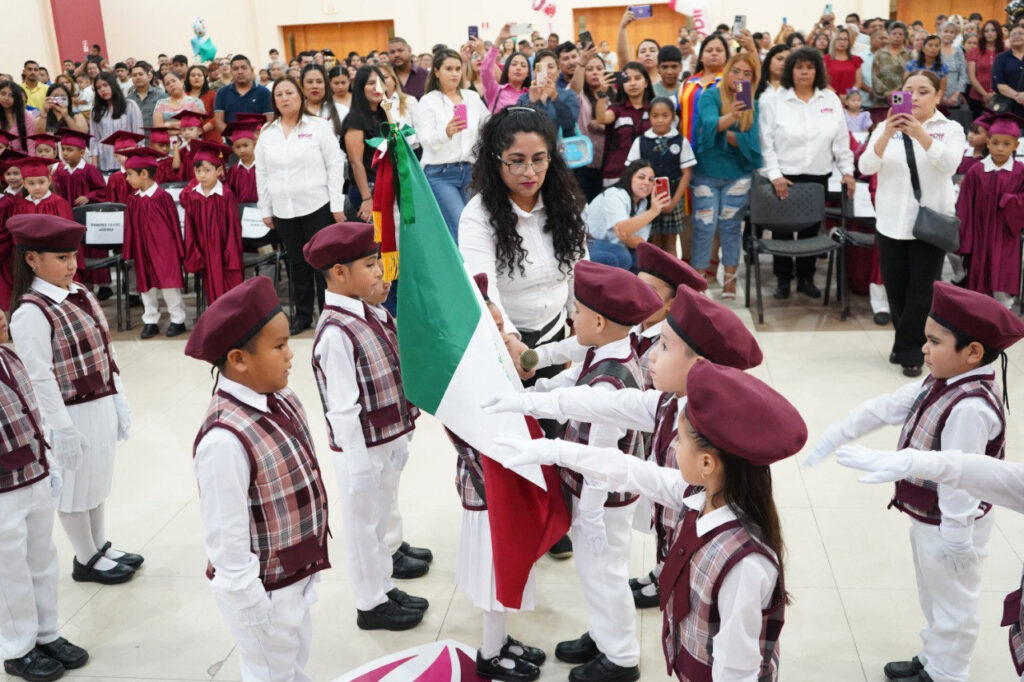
69	169
568	349
895	206
988	478
40	199
971	424
804	138
297	174
431	118
217	189
528	301
989	166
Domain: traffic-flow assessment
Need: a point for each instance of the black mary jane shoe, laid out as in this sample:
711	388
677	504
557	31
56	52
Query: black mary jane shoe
912	371
492	669
404	567
513	648
69	655
104	293
175	329
132	561
149	331
602	670
421	553
582	650
782	290
636	583
388	616
408	600
562	549
88	573
897	670
882	319
34	666
646	601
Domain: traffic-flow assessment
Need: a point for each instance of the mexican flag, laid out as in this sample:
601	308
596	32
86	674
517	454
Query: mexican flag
452	359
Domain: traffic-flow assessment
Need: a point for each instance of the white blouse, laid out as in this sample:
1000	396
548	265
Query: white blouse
804	138
297	174
430	119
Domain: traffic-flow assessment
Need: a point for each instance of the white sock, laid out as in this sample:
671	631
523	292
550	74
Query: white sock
649	590
494	633
99	532
78	527
657	570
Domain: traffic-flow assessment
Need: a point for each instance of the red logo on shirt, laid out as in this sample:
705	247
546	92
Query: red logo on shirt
827	110
302	135
937	136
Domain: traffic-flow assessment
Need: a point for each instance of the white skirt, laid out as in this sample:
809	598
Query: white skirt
474	568
89	486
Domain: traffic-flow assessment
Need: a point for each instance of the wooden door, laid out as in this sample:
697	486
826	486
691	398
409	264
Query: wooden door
926	10
603	24
342	38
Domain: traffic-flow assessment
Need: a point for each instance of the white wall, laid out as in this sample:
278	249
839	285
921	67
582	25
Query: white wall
28	34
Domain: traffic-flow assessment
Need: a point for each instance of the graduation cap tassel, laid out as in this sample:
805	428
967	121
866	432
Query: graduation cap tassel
1006	394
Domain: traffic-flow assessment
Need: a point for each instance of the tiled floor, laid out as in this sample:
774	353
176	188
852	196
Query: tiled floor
848	566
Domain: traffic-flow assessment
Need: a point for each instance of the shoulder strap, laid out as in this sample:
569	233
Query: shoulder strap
908	145
612	368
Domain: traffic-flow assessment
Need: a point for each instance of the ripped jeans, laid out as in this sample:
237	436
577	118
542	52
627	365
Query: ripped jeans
718	204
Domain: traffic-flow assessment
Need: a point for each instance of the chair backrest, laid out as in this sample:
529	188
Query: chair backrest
104	223
804	206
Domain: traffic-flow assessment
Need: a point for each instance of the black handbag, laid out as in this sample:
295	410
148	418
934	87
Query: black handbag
938	229
1002	104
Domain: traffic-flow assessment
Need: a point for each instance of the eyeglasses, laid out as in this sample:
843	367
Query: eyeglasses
519	167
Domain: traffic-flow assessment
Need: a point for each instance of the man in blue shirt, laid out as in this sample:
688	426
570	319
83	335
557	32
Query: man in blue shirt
243	96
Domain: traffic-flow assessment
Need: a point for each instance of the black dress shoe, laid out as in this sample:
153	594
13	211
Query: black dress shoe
882	319
175	329
602	670
646	601
88	573
149	331
34	666
912	371
69	655
421	553
807	288
298	326
388	616
492	669
408	601
636	584
103	293
902	669
562	549
134	301
513	648
782	290
577	651
404	567
133	561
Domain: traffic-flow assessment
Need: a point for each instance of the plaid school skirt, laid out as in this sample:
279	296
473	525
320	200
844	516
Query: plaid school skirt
670	223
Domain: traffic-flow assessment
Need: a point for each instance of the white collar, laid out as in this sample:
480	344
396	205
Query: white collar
652	331
986	370
379	310
619	350
243	393
147	192
249	167
12	191
80	166
218	189
352	305
39	201
52	291
989	165
536	209
711	520
790	94
651	135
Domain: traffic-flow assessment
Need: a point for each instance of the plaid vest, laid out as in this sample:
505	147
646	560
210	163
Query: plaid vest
469	474
689	586
82	360
643	348
385	414
605	371
22	445
1013	616
391	329
287	499
923	431
663	452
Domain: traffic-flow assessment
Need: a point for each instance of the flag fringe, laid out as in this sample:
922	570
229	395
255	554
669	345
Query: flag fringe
390	264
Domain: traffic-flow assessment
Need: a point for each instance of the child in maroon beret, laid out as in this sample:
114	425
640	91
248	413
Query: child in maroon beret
958	406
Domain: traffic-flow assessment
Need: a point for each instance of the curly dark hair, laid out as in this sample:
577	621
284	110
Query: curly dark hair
562	198
805	55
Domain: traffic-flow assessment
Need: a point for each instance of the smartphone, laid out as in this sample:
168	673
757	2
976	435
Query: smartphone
541	78
901	102
744	94
474	31
661	186
641	11
520	29
828	9
586	38
784	21
739	24
620	79
460	112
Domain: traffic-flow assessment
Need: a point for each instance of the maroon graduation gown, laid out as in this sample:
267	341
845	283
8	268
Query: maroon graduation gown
83	183
115	191
51	205
214	226
7	203
967	164
187	172
242	182
991	212
165	171
152	238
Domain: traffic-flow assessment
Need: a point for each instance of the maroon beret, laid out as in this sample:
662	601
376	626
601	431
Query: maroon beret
712	330
481	283
975	316
741	415
617	294
668	268
340	243
233	319
39	232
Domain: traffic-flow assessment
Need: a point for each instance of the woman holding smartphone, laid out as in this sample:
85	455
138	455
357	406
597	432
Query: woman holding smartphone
620	217
57	112
447	122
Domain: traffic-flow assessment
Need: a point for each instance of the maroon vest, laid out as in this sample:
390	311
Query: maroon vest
22	446
663	453
287	500
1013	616
469	474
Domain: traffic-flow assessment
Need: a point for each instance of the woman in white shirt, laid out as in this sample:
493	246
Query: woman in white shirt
803	135
299	178
620	217
910	266
449	136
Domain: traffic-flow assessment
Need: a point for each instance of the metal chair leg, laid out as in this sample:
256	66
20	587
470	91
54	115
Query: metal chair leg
828	278
844	288
746	277
755	257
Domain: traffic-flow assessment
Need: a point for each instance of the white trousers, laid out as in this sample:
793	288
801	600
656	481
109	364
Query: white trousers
604	577
364	518
949	601
151	307
277	651
393	537
28	570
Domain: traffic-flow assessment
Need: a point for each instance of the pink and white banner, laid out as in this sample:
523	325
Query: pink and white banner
444	661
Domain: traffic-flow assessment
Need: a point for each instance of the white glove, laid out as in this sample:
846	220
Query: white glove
124	416
56	483
69	447
257	614
517	451
886	465
593	530
959	556
507	401
826	445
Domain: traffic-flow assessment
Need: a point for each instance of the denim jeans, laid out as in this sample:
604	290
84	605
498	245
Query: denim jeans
611	253
718	204
450	184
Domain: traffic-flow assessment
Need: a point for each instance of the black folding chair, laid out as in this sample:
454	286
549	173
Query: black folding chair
804	206
110	240
854	238
253	257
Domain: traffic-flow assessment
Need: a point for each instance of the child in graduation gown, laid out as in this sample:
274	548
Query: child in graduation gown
117	190
13	191
262	499
63	339
241	177
30	644
213	228
957	407
991	212
723	594
191	130
35	173
696	327
160	141
152	239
